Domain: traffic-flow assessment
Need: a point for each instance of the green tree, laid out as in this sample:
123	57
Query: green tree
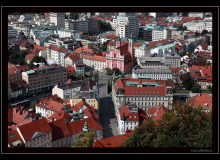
204	32
183	53
122	75
104	45
85	139
32	105
74	15
181	126
108	71
195	88
116	71
187	81
97	76
91	74
197	34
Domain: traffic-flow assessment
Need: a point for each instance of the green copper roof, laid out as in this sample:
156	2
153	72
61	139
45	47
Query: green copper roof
85	129
31	71
168	87
144	77
147	26
166	46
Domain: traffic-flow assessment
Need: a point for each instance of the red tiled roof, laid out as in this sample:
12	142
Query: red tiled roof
60	115
79	105
114	141
10	115
12	70
204	45
90	112
176	69
178	46
37	38
70	69
84	50
10	64
128	90
128	115
111	36
55	48
73	56
69	80
201	99
13	136
95	58
18	115
30	56
23	67
18	85
77	126
29	129
59	129
159	110
153	44
92	83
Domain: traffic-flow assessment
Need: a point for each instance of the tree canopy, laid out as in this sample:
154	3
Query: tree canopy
181	126
104	26
17	58
104	45
195	88
85	139
37	59
74	15
187	81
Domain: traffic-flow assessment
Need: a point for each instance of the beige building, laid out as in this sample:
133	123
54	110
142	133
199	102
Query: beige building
36	134
144	93
91	101
77	89
45	77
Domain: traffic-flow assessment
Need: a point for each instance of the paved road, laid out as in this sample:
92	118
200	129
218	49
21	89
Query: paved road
107	117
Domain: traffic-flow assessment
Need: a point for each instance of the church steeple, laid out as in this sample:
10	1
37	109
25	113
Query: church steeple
85	128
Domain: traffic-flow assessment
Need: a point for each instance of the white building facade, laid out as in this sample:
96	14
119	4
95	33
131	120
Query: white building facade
58	19
126	25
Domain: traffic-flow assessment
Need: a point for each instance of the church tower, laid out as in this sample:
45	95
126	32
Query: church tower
131	49
118	41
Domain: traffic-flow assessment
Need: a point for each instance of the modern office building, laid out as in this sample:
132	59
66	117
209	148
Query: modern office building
58	19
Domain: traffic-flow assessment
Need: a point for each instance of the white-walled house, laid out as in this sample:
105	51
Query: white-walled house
127	117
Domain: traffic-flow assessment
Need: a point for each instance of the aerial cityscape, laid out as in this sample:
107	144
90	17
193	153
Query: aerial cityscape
109	79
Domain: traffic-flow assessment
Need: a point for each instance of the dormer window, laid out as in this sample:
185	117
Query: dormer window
158	93
133	93
150	93
137	93
141	93
145	93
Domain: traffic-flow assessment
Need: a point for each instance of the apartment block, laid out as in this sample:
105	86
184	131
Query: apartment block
46	77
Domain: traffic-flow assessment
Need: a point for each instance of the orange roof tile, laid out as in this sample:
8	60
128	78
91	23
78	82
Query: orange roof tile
12	70
60	115
30	56
201	99
29	129
77	126
84	50
153	44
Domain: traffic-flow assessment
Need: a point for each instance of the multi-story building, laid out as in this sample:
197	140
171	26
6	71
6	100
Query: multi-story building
67	33
140	51
57	54
91	101
87	26
123	57
126	25
36	134
127	117
60	134
72	59
171	61
13	74
79	68
95	62
58	19
17	88
12	32
144	93
157	34
44	77
76	89
151	72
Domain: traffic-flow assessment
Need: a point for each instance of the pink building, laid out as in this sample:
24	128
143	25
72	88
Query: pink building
122	57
